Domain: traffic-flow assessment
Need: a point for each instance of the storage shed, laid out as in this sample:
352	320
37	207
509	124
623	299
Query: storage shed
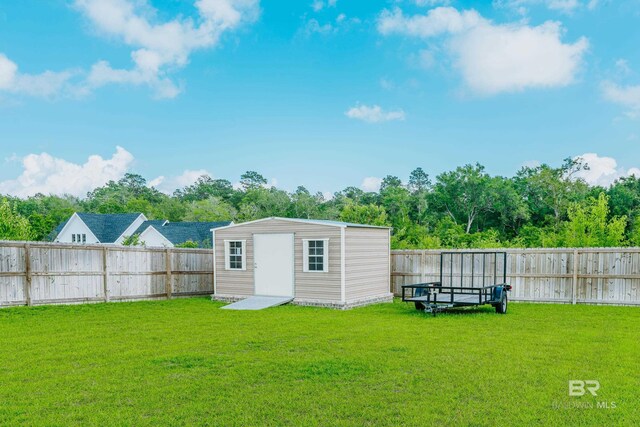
316	262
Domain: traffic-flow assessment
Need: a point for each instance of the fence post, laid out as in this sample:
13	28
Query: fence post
574	284
105	273
168	284
27	272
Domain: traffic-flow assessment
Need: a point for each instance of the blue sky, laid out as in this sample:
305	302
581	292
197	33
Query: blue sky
322	93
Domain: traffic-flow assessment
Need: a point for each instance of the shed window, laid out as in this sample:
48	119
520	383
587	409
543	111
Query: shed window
235	258
316	255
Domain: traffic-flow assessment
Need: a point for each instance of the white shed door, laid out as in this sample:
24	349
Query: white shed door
273	264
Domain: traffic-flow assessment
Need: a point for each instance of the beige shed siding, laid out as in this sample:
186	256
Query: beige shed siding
367	262
321	287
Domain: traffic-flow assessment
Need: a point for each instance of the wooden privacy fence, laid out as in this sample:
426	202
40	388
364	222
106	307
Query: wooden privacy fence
566	275
49	273
52	273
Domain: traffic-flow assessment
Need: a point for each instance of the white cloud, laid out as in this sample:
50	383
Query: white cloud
431	3
627	96
160	47
371	183
494	58
313	26
169	184
45	85
342	23
563	6
318	5
622	65
43	173
387	84
374	114
507	58
438	21
603	171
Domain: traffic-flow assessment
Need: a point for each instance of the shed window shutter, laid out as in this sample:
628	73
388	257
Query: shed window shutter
244	254
305	256
325	258
226	255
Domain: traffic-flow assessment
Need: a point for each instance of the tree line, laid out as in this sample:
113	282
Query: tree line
540	206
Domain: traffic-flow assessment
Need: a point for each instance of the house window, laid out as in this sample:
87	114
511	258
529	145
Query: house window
235	258
316	255
79	238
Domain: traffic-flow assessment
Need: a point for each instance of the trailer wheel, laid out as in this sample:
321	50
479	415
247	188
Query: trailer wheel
502	306
420	306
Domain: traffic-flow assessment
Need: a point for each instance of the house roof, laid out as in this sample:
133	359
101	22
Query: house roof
326	222
106	227
156	223
180	232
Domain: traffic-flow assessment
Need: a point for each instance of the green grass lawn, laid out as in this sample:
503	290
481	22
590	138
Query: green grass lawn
185	362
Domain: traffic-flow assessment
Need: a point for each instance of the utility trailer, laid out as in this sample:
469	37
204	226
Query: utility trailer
466	279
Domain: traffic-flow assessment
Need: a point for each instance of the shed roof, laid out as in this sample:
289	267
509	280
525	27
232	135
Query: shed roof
326	222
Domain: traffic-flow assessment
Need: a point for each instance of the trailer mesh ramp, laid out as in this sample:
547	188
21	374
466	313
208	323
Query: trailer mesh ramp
258	303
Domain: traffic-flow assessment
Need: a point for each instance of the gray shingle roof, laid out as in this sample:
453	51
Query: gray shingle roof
180	232
106	227
156	223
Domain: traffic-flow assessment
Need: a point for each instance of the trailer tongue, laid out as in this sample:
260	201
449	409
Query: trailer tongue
466	279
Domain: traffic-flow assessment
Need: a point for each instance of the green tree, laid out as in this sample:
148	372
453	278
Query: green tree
364	214
394	198
260	202
419	181
45	213
464	194
549	191
305	205
624	199
133	240
204	188
252	180
508	211
114	196
188	244
13	226
589	225
419	186
211	209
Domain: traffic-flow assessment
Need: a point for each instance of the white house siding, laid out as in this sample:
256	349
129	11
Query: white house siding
76	226
309	287
367	263
153	239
